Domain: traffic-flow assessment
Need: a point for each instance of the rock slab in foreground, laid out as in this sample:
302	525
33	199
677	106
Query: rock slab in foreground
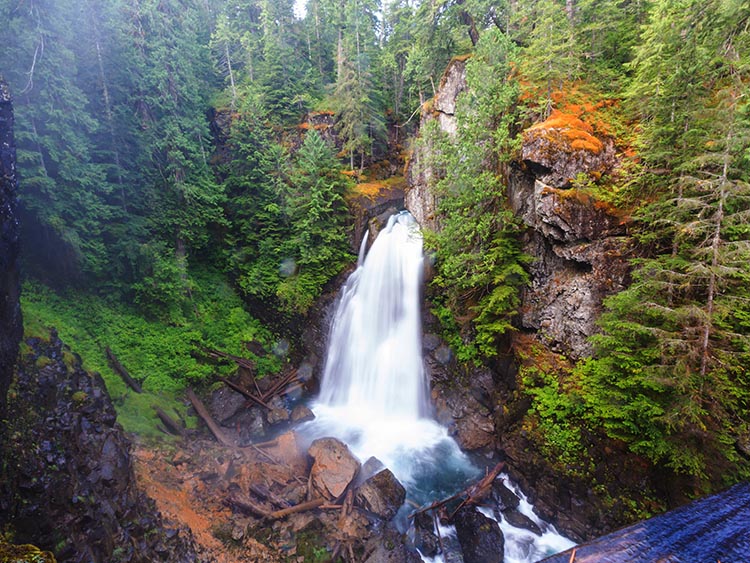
714	528
381	494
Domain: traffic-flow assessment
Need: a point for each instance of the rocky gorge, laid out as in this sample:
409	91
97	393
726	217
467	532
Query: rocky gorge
86	492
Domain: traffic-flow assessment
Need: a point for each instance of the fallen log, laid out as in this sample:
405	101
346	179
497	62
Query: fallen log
244	392
281	383
473	494
170	424
239	360
121	371
203	413
302	507
246	505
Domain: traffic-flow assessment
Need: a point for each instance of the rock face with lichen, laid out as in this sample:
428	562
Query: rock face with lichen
578	242
580	256
419	198
563	146
67	482
10	309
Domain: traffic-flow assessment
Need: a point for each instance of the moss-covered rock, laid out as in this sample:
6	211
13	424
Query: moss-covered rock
10	553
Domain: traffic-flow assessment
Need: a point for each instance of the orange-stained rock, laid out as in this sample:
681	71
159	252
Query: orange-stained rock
288	451
334	467
563	146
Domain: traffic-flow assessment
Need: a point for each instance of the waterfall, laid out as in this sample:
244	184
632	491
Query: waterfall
374	393
374	362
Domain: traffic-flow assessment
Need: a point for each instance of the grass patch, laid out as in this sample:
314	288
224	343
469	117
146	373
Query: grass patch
160	354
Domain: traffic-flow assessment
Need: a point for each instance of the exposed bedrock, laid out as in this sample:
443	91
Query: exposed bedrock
10	309
67	481
579	255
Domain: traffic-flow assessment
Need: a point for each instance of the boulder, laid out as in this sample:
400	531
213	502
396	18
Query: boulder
504	498
425	539
334	467
519	520
390	547
480	537
226	403
301	413
381	494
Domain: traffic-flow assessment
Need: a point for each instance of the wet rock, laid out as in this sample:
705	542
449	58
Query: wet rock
470	422
443	354
278	411
301	413
250	425
390	547
563	146
520	520
382	494
334	467
425	539
226	403
504	498
430	341
274	416
480	537
369	468
10	309
305	371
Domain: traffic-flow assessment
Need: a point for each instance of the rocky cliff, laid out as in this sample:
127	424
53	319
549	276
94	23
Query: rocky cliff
580	249
10	311
67	482
419	198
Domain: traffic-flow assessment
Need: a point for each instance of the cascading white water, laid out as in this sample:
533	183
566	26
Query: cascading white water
374	362
374	394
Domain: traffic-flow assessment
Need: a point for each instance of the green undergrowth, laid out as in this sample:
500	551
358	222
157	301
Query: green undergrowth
163	355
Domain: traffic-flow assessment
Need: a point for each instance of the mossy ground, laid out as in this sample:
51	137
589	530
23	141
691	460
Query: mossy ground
162	355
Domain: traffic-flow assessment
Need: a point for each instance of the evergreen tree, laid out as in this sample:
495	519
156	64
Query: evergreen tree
318	242
670	377
479	261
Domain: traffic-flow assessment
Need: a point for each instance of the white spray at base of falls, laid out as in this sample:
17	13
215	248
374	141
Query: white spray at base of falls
374	394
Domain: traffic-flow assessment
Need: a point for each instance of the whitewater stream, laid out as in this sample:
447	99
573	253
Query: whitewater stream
375	396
